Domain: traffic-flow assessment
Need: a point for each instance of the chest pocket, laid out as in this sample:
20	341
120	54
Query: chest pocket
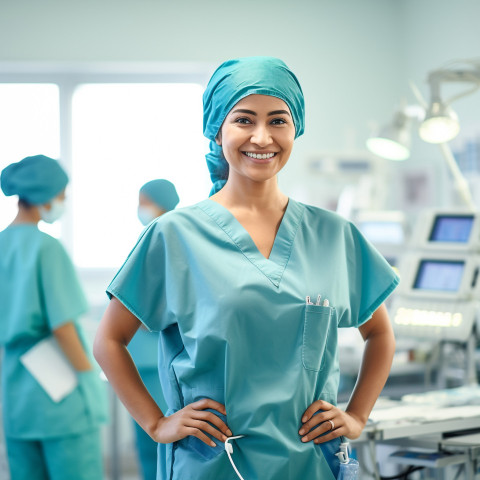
319	321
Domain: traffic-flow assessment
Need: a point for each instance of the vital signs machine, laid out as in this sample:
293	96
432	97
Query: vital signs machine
439	294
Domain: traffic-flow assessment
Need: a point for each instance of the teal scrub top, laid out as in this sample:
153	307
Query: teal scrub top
40	291
234	326
144	349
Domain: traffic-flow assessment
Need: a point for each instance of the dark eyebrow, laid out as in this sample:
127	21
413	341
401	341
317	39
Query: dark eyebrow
241	110
251	112
279	112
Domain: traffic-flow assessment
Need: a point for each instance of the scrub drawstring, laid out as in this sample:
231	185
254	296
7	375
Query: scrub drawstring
229	450
349	468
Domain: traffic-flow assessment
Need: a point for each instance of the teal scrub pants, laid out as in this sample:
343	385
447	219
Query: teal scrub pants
75	457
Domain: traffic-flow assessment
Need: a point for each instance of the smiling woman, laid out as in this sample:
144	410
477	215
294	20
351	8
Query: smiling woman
257	137
228	283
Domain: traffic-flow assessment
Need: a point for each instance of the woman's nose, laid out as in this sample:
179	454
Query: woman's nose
261	136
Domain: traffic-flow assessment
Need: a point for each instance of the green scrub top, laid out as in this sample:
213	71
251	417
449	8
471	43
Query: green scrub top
40	291
235	327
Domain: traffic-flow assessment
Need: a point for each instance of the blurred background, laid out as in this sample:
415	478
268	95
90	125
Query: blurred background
114	90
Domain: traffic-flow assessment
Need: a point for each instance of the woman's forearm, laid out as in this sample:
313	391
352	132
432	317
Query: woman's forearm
69	341
375	366
114	333
123	375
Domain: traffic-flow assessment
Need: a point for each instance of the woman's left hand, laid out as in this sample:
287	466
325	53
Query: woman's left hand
330	421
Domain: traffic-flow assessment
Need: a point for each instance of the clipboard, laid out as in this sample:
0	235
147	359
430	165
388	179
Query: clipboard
51	369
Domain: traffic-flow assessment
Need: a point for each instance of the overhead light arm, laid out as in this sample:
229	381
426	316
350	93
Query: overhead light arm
409	113
437	77
459	180
441	122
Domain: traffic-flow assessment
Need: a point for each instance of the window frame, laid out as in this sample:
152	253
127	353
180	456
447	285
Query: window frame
69	76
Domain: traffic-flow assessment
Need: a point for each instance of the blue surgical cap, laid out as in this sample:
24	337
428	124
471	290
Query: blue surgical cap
236	79
162	193
37	179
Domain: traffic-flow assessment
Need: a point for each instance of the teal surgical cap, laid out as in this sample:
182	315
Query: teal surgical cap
236	79
162	193
36	180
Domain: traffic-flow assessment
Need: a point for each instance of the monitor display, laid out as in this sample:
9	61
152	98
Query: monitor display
442	275
452	228
379	232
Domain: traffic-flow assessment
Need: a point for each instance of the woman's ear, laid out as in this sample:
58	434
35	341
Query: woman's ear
218	139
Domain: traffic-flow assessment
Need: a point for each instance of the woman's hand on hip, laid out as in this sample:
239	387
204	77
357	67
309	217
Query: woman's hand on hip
322	422
194	420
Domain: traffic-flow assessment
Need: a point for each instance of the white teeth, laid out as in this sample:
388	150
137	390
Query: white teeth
259	156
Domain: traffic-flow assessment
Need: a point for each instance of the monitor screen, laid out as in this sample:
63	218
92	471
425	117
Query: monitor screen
379	232
452	228
443	275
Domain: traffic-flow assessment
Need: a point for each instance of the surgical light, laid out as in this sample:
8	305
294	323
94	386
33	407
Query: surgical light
440	124
393	141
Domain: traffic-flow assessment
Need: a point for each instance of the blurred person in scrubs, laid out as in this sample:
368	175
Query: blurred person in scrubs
40	296
248	289
155	198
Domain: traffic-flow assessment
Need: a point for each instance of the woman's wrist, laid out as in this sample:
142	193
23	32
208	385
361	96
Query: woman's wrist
361	418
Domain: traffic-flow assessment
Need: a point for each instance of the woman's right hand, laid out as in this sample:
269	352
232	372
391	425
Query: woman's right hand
193	420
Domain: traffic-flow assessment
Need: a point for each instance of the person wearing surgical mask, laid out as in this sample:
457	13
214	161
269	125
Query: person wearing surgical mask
156	197
41	299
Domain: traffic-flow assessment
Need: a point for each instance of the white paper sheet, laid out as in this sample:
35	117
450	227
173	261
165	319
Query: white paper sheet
52	370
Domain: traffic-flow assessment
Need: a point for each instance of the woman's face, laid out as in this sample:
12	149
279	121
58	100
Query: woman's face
257	137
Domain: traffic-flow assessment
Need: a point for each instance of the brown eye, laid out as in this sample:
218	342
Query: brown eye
243	120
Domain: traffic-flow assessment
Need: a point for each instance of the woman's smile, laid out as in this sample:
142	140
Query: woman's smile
260	157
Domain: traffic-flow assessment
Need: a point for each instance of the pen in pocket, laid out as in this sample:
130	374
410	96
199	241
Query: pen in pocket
308	301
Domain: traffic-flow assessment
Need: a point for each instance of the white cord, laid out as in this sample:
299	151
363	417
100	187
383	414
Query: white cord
229	450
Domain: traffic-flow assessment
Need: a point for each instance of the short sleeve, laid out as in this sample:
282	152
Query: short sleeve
61	291
371	279
140	283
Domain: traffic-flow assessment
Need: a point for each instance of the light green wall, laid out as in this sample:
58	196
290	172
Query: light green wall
346	53
353	57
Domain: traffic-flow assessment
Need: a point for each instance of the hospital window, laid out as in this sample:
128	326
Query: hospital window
118	136
123	136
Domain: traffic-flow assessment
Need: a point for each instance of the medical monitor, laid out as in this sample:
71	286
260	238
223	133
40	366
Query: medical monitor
452	228
449	231
439	275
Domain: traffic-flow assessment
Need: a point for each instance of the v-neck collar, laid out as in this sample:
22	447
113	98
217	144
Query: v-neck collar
274	266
